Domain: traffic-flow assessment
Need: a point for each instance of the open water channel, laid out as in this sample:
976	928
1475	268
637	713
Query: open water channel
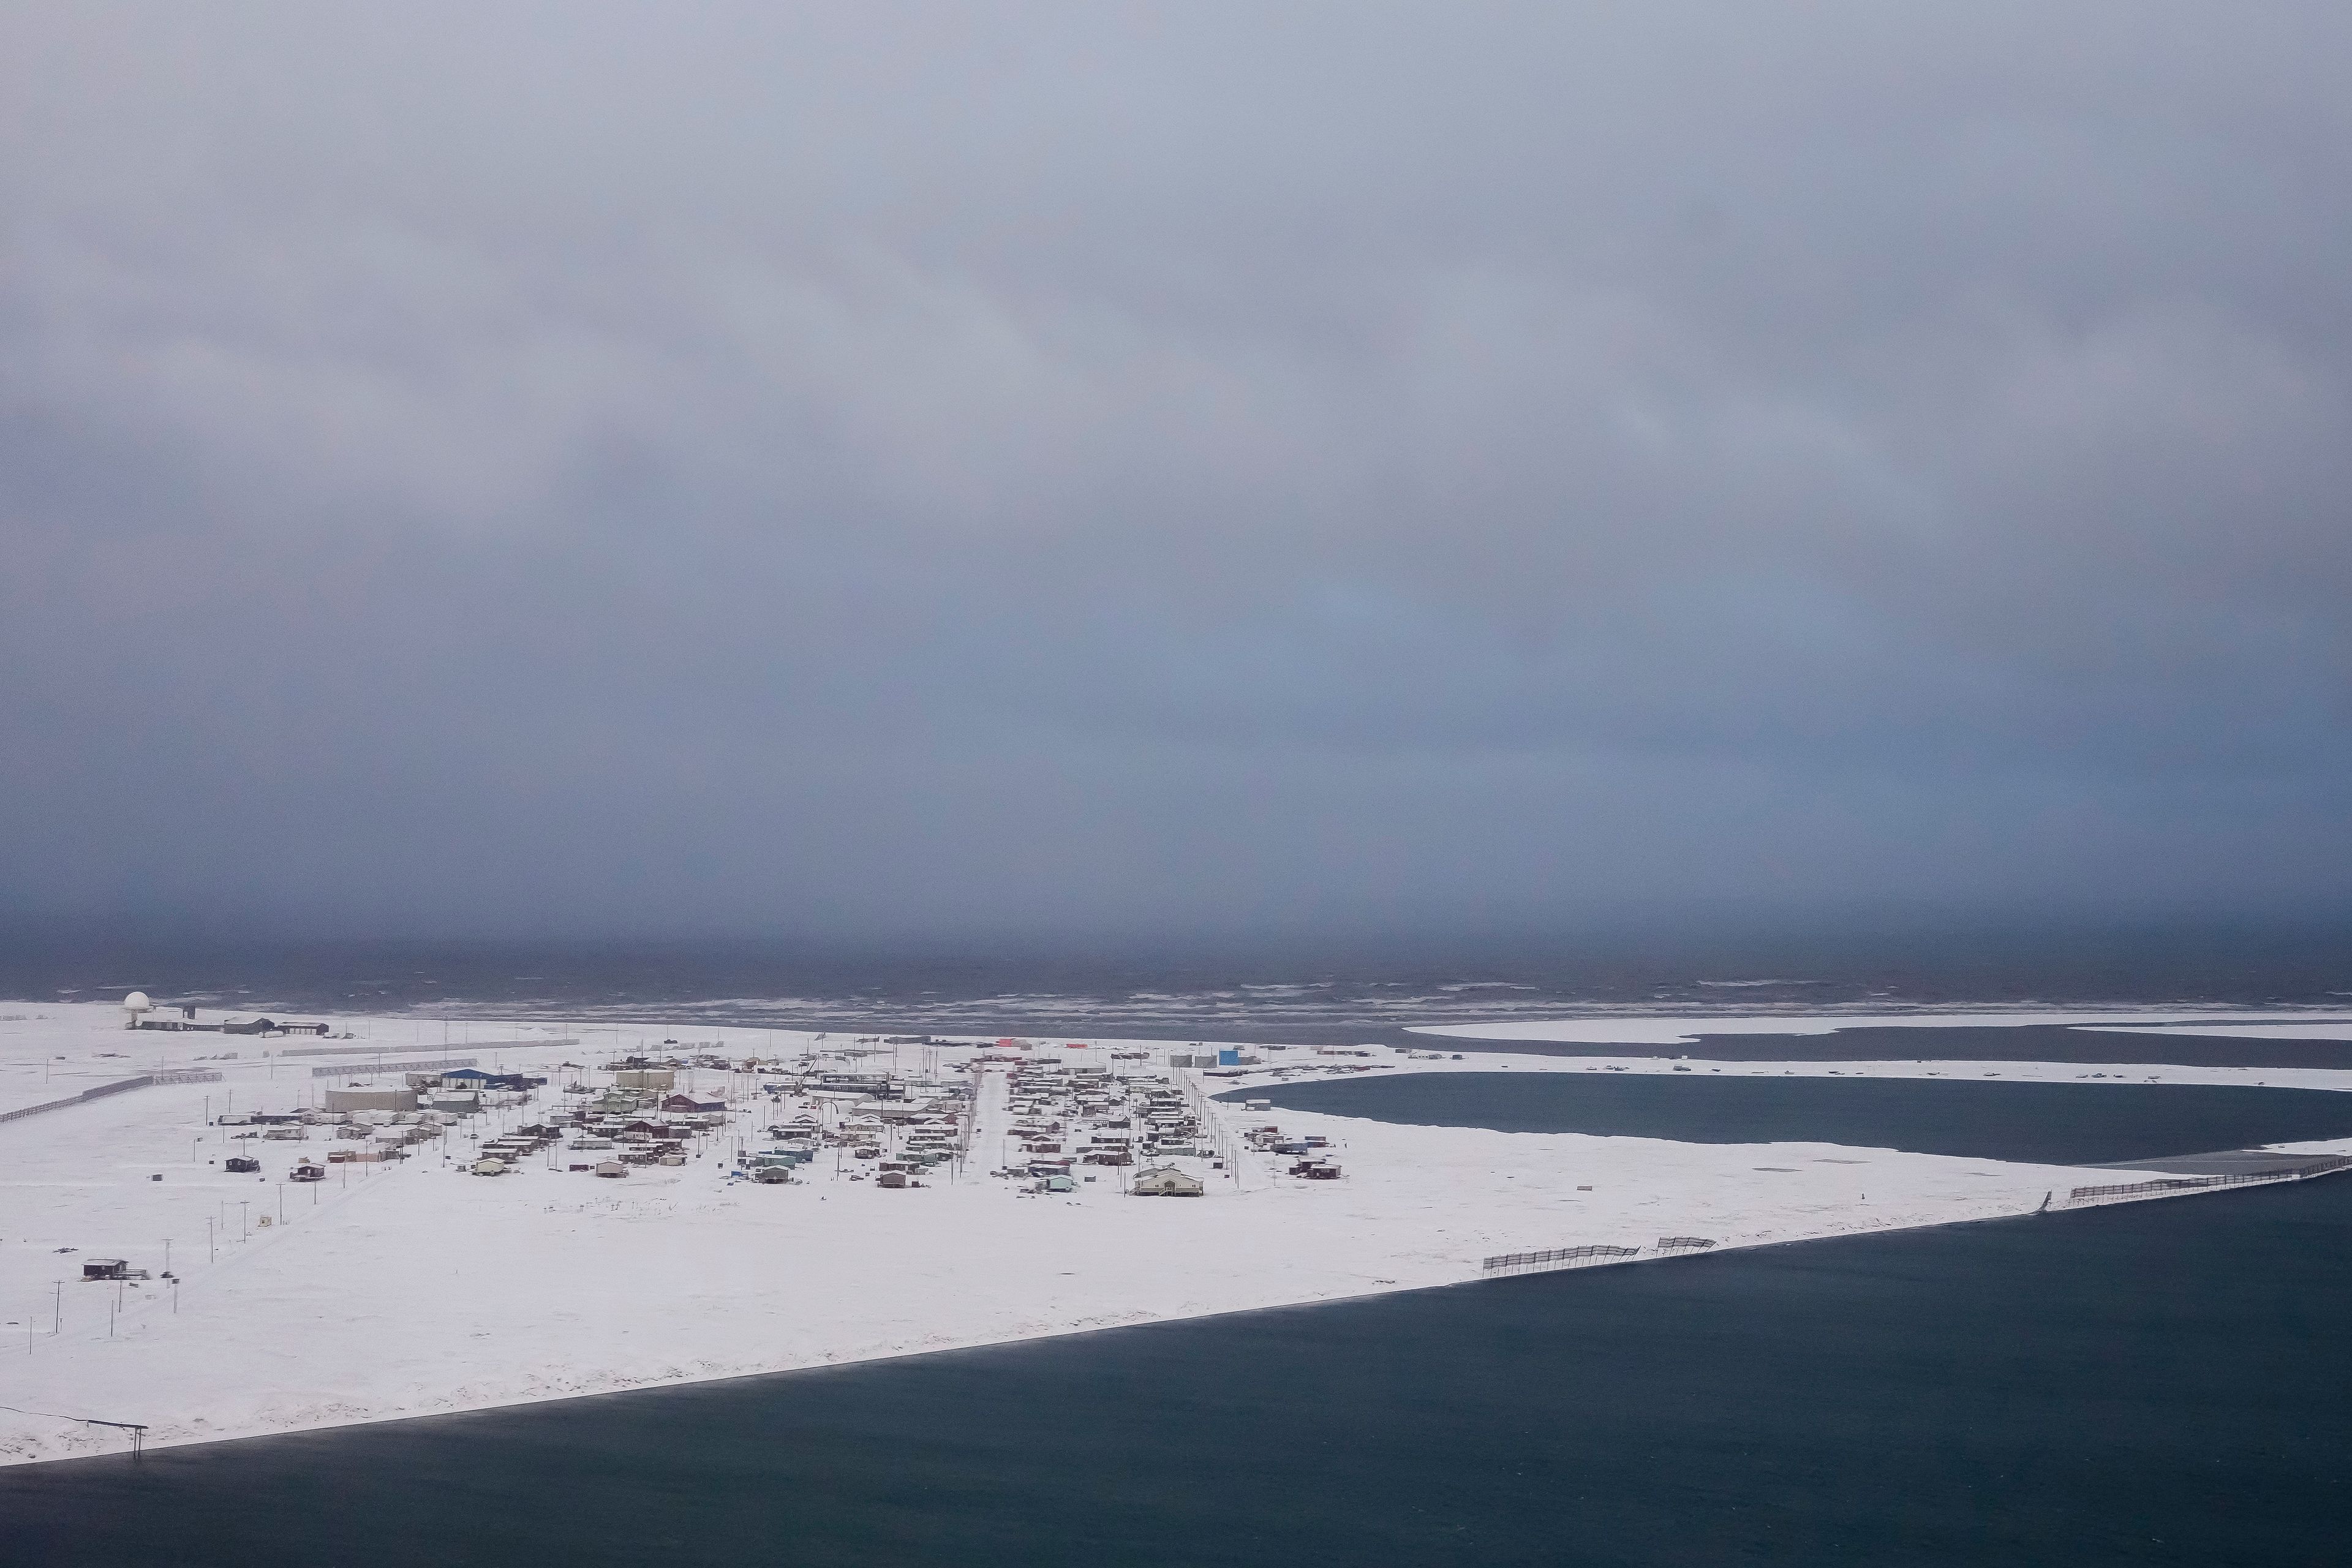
2057	1123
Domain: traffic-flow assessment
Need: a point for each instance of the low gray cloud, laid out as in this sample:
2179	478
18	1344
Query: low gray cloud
1070	469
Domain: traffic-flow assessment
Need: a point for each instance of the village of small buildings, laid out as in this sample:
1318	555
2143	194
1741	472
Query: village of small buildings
1040	1118
450	1213
1044	1118
1044	1122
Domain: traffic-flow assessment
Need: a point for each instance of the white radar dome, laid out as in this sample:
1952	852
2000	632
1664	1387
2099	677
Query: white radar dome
137	1003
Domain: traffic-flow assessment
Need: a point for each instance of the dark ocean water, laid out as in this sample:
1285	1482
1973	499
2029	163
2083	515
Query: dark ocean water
2160	1384
1290	991
2056	1123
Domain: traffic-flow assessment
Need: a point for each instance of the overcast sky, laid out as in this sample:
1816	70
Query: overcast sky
870	467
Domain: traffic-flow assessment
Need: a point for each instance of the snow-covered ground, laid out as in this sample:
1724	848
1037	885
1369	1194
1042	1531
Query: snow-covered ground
395	1290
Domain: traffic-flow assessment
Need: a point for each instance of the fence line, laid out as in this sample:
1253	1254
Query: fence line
377	1070
1549	1259
103	1090
1556	1258
461	1045
2165	1185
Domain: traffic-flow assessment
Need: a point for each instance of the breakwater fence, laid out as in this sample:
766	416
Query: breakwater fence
1550	1258
2173	1187
103	1090
462	1045
377	1070
1553	1257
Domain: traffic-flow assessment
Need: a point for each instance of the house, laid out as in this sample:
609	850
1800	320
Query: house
240	1164
475	1077
1166	1181
393	1099
307	1171
692	1105
642	1127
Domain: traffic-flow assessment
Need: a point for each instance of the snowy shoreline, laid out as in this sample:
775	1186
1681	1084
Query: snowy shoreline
417	1289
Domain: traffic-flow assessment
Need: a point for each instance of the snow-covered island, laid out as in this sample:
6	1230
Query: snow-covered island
214	1234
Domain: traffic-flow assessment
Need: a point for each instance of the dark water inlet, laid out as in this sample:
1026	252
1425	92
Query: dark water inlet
2055	1123
2092	1048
